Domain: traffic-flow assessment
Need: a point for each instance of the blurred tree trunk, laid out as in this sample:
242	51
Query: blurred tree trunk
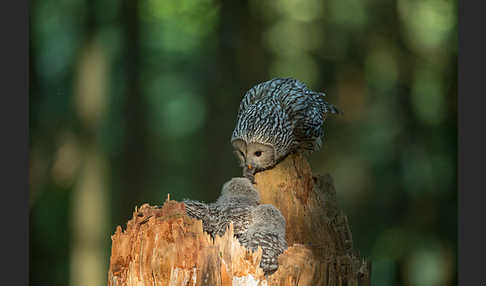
135	149
89	204
240	62
163	246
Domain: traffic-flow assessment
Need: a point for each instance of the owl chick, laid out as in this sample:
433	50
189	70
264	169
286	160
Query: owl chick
267	230
238	197
276	118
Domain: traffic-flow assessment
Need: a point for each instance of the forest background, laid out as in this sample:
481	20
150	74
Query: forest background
131	100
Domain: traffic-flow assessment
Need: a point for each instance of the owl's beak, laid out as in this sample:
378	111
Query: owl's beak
249	173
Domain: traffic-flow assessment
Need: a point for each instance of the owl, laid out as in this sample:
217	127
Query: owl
254	225
276	118
267	230
238	197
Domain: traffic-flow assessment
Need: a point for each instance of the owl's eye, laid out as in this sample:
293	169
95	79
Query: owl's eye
258	153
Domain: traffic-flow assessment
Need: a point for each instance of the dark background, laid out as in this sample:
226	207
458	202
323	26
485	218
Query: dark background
131	100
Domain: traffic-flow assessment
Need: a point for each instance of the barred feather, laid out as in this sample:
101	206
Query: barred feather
254	225
267	230
203	212
238	197
285	114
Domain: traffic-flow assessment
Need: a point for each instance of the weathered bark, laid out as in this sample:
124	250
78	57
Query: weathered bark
308	204
163	246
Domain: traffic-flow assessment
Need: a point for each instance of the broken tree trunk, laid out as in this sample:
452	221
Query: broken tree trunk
163	246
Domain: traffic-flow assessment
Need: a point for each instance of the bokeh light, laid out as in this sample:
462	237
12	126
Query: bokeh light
132	100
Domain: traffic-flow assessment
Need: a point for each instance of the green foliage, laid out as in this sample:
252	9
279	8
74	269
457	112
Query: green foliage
389	65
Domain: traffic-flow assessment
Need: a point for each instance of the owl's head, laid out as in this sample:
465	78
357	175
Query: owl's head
239	188
254	156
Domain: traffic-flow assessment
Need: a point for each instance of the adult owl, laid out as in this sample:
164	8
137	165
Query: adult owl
276	118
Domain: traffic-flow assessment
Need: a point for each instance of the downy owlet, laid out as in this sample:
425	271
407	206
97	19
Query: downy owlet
238	197
267	230
254	224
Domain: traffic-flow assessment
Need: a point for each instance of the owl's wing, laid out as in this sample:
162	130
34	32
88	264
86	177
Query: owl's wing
272	246
201	211
232	212
308	115
195	209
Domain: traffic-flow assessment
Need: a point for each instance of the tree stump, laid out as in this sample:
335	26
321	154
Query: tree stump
163	246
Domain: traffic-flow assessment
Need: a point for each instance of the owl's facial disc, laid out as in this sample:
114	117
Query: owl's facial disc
240	151
259	156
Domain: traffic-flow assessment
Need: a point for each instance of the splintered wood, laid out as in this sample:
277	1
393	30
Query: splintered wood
163	246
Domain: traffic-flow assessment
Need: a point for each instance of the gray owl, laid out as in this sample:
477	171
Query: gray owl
276	118
267	230
254	224
238	197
